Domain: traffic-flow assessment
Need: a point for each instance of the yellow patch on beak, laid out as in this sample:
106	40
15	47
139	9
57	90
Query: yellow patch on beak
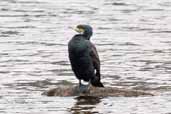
79	30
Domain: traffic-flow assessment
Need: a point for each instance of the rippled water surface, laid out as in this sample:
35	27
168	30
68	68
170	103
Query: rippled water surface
133	38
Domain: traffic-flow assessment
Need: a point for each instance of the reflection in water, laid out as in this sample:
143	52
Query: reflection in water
84	105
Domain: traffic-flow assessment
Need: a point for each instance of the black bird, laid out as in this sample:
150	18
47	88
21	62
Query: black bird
83	57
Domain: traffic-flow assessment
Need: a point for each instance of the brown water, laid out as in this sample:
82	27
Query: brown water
133	39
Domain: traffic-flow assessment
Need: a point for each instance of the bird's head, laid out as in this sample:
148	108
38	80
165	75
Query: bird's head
85	30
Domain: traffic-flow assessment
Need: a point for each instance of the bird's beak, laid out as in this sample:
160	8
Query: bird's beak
79	30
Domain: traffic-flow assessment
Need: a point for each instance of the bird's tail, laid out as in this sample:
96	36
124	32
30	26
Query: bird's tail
96	82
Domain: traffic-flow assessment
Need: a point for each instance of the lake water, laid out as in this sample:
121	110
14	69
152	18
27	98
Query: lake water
133	38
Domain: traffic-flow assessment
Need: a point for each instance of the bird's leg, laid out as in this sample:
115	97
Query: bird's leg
82	88
80	83
89	85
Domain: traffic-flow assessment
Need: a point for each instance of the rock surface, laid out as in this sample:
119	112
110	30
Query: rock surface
71	90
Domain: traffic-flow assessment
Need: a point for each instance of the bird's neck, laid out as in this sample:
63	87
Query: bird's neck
87	36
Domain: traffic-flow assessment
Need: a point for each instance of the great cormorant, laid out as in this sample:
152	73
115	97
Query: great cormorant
83	56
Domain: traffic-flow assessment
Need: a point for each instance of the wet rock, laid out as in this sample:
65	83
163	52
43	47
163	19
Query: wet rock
70	90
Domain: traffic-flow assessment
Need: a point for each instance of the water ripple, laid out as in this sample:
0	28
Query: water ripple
132	38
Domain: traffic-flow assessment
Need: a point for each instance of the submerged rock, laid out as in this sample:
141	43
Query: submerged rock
70	90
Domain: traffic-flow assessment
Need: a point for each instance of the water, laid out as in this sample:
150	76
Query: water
133	39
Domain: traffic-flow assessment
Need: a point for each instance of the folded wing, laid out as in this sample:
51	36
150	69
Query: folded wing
95	58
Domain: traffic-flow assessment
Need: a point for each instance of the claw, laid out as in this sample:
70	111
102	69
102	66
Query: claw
84	88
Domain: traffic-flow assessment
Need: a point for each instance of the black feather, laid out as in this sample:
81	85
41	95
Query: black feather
84	59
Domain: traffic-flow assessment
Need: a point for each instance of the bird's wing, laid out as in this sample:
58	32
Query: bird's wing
95	57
